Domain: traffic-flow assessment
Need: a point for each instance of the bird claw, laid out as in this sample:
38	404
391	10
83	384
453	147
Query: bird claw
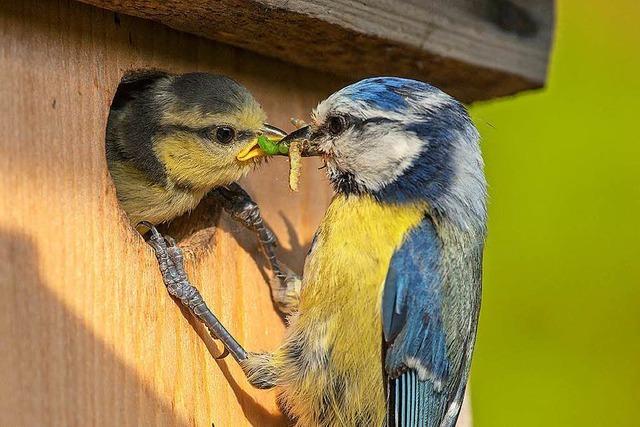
224	354
239	205
171	262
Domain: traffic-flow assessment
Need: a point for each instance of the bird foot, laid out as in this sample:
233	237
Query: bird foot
171	261
285	292
239	205
285	286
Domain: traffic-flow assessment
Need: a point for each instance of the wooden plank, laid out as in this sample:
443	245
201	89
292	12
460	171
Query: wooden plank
89	334
473	49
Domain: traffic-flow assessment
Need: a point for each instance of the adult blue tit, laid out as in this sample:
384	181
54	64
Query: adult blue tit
388	306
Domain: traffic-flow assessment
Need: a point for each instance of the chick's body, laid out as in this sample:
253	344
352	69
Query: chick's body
171	139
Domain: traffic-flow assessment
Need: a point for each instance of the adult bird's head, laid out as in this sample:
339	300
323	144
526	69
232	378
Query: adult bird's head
400	141
198	130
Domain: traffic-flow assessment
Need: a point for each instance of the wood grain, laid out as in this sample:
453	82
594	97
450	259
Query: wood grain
89	335
473	49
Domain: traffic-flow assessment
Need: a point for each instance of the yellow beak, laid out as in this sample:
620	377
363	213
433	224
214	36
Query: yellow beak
252	149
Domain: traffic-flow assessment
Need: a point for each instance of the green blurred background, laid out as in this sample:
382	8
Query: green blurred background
559	339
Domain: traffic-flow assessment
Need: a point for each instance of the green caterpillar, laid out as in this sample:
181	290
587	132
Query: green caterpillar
272	148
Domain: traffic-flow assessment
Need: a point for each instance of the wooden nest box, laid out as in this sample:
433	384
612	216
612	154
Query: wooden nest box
89	335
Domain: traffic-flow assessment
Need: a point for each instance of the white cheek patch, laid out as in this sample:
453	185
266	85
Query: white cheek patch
378	160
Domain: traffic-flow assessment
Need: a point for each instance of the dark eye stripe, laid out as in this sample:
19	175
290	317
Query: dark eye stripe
205	132
354	122
376	120
182	128
246	134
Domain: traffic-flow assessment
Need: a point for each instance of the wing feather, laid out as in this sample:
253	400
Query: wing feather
416	362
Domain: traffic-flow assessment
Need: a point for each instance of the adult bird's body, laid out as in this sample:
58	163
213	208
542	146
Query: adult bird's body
331	371
391	288
390	296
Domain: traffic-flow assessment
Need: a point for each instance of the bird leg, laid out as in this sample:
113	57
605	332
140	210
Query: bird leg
259	367
171	261
285	285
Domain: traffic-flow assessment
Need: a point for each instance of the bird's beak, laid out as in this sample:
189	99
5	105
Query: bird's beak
253	149
303	134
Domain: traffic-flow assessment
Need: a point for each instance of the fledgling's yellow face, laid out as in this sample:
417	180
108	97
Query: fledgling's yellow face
173	138
203	149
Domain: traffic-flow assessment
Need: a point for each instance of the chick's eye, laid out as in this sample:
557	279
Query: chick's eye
225	134
336	125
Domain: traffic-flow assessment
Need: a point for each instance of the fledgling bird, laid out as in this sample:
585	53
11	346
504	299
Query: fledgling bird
171	139
388	308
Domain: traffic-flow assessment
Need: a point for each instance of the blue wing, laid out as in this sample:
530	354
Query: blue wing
416	361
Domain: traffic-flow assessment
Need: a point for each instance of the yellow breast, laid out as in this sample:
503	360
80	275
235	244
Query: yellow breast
339	316
353	247
145	200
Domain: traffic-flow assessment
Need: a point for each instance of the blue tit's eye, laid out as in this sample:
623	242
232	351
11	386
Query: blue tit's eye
225	134
336	125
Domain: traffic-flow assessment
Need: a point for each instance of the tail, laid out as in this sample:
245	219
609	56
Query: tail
416	403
